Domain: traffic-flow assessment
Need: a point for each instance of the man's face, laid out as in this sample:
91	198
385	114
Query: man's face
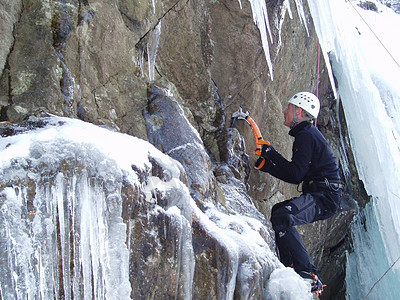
289	115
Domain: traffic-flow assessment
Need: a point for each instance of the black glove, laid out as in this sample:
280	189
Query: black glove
265	149
260	163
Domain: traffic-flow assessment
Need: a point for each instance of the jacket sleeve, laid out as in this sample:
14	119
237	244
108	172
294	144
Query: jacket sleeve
291	171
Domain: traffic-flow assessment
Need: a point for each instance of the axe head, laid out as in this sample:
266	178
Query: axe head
239	115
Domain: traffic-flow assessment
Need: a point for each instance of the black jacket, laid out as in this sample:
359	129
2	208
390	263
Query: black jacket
312	159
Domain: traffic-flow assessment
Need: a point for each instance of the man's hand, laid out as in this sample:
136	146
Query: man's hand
265	149
265	152
260	163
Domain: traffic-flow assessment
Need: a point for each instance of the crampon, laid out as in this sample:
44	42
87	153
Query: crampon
317	286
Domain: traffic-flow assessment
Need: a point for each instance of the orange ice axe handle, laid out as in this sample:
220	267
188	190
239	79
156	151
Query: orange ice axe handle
240	115
257	136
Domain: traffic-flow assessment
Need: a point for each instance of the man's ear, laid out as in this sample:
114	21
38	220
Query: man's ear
300	113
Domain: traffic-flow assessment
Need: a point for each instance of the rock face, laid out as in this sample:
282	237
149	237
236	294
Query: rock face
171	132
172	73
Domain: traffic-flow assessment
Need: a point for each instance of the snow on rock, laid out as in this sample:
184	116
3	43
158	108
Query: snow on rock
286	284
91	213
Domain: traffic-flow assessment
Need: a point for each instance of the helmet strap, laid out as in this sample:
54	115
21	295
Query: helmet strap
295	120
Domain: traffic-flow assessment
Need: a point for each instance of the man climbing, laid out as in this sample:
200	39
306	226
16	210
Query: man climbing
314	164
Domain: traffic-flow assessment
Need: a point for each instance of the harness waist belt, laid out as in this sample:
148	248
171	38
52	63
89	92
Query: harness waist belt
334	185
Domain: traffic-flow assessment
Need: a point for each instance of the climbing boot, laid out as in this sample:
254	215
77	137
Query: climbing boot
316	284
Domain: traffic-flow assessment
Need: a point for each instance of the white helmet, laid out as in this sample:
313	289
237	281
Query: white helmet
307	101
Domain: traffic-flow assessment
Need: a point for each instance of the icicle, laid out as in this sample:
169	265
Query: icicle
321	13
279	20
286	4
152	47
141	59
300	10
260	18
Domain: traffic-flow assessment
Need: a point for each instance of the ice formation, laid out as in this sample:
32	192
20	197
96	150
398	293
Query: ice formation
65	225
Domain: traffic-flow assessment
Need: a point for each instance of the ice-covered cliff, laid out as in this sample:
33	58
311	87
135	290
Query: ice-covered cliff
88	213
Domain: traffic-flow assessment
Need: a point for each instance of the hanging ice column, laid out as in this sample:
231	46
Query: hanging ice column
149	46
152	48
260	17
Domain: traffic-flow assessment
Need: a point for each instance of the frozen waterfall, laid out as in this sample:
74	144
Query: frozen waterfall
365	58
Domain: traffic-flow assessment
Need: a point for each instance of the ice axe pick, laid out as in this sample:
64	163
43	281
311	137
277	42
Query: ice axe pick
240	115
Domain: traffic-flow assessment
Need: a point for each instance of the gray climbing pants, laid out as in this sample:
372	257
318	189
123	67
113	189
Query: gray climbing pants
305	209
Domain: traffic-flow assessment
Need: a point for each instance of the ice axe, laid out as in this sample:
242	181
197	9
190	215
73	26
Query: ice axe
240	115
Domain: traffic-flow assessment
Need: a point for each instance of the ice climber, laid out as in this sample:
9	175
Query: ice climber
314	164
